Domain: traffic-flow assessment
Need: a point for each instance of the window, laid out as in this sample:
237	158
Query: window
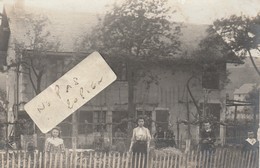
66	126
99	119
121	118
162	119
60	68
85	122
91	121
210	80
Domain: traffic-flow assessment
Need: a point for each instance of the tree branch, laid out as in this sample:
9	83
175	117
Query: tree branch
31	80
258	49
192	97
253	62
39	78
33	68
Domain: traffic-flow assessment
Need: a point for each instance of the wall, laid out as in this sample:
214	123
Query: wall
168	94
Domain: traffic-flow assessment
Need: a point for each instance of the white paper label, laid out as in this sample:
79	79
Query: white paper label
70	92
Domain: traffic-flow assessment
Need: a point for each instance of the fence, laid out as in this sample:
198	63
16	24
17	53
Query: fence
221	158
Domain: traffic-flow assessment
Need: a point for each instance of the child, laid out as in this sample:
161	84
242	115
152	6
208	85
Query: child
54	144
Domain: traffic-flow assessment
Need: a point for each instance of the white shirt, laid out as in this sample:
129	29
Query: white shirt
141	134
252	141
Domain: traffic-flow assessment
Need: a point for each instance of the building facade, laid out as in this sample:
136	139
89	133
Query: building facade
161	94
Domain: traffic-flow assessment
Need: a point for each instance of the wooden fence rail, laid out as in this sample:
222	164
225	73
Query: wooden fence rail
222	158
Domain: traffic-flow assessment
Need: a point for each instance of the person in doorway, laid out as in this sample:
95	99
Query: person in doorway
140	142
159	138
54	144
120	140
251	143
170	138
207	138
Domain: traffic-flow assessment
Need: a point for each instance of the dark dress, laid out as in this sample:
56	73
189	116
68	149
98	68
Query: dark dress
252	148
207	140
170	139
247	146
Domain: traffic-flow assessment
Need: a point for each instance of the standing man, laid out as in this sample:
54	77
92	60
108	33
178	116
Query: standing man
140	141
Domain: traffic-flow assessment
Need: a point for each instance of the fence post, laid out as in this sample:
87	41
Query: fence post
241	162
74	153
19	159
131	159
118	161
7	159
113	160
24	157
80	161
150	164
40	160
61	160
196	158
13	160
168	160
109	159
249	159
104	160
163	160
29	161
95	159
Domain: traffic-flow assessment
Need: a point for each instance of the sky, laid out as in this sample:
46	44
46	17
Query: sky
192	11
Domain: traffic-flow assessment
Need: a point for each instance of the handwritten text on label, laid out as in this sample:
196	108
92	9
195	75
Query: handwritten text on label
70	92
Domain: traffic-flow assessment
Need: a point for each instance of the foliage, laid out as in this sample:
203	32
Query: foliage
3	102
32	59
131	34
241	33
253	97
135	31
31	53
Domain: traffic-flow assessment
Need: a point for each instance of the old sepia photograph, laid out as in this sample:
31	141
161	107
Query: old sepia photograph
129	83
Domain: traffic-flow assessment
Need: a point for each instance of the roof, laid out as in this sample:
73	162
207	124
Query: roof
192	34
245	88
67	27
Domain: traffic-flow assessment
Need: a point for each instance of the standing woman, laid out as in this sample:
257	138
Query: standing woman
140	141
54	144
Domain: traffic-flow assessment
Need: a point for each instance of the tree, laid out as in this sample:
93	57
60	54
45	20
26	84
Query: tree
2	100
3	115
31	61
209	62
31	55
132	33
241	33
